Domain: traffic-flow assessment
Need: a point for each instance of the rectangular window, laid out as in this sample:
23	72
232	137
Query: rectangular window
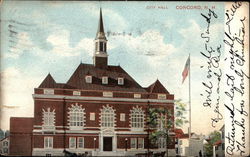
92	116
48	142
101	46
76	93
120	81
72	142
133	143
137	96
162	96
122	117
104	80
162	143
48	91
88	79
140	143
80	142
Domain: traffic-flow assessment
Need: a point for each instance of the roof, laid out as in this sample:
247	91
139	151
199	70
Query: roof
77	80
157	87
178	133
217	143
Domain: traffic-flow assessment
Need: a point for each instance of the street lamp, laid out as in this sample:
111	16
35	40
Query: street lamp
94	143
126	144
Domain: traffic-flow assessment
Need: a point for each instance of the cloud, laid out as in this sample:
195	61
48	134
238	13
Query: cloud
149	43
20	44
61	45
16	94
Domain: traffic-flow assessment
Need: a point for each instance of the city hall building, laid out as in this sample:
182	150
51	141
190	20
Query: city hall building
100	111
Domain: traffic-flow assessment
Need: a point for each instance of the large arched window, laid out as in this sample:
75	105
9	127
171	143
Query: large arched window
137	118
48	119
107	116
76	117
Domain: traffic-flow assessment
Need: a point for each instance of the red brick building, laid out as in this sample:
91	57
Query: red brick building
101	110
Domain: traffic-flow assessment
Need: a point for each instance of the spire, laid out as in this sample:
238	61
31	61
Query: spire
100	30
100	57
100	25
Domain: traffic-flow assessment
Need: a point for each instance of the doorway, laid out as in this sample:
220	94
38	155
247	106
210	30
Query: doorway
107	144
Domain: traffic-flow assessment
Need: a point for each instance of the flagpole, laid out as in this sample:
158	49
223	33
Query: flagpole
189	76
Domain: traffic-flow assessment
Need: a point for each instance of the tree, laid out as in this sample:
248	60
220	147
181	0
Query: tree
213	137
161	121
1	134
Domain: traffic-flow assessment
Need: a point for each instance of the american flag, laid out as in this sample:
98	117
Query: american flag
186	70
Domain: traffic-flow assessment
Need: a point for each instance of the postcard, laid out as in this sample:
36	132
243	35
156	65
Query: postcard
124	78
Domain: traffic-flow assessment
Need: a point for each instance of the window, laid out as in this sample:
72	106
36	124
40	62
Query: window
80	143
88	79
76	117
162	143
48	91
48	155
140	143
92	116
5	143
76	93
48	142
122	116
133	143
120	81
101	46
162	96
72	142
104	80
48	119
161	121
107	117
137	96
137	118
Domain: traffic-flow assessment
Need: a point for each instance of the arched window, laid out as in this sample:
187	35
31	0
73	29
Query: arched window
76	117
48	119
107	116
137	118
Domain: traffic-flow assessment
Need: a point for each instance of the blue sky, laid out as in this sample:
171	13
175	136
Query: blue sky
56	36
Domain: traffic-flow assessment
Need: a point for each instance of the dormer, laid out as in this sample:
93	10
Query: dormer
105	79
120	81
88	78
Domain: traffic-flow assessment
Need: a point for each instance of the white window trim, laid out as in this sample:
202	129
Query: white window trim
142	143
78	142
70	147
46	145
105	80
107	113
131	139
48	119
78	110
135	114
120	81
88	79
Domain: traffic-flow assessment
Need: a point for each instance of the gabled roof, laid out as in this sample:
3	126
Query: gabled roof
217	143
77	80
157	87
178	133
48	82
